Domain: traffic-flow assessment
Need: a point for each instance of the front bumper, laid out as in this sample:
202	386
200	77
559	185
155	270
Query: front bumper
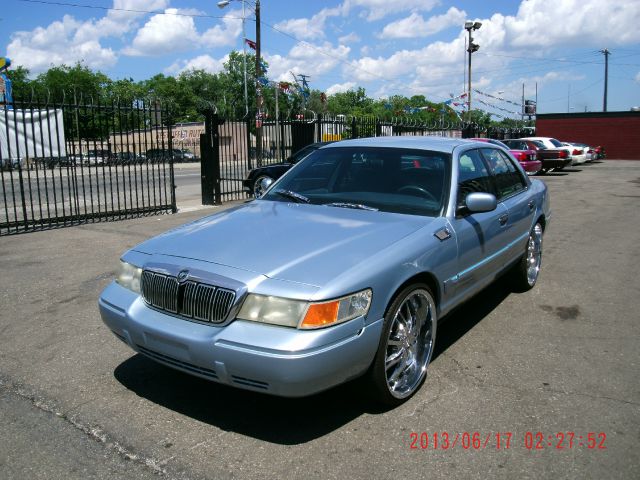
254	356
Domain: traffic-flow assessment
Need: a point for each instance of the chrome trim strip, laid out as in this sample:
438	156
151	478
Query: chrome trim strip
457	276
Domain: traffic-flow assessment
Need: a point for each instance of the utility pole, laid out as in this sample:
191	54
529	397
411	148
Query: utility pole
522	119
606	53
258	90
473	47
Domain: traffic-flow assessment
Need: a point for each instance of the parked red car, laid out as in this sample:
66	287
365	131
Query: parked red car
527	158
555	158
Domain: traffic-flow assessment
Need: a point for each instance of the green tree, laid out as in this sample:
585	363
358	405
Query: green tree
20	82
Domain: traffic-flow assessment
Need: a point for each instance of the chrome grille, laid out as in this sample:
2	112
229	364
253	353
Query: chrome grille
199	301
161	291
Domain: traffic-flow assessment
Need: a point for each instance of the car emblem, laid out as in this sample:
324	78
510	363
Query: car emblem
182	276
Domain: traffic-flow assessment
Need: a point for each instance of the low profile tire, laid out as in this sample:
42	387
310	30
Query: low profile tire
406	345
525	272
257	188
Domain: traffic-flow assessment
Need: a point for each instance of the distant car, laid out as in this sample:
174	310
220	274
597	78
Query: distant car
161	155
590	152
551	158
526	156
578	153
341	270
252	184
554	143
98	157
187	155
128	158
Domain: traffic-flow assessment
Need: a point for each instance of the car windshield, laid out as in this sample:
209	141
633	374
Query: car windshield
369	178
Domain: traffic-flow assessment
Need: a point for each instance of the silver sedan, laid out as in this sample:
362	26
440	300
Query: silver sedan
341	269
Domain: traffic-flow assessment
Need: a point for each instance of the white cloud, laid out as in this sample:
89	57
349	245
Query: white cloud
377	9
118	22
55	45
309	28
225	34
164	34
416	26
341	87
350	38
201	62
306	58
586	22
69	41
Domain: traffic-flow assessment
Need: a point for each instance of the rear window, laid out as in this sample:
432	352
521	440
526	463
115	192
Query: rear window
556	143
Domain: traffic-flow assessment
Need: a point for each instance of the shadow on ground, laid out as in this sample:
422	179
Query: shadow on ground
281	420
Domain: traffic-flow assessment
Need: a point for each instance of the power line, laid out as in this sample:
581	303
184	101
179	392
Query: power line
130	10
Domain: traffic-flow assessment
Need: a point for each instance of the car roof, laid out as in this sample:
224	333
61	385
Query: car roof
434	143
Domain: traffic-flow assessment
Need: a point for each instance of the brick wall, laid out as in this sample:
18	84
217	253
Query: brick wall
617	132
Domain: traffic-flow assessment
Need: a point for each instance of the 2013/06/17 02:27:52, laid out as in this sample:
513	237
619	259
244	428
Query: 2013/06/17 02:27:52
506	440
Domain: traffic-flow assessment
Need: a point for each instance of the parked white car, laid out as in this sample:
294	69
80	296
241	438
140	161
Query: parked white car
579	152
589	151
550	142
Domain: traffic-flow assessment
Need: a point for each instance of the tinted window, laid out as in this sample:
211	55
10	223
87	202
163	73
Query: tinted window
507	176
472	175
515	144
389	179
556	143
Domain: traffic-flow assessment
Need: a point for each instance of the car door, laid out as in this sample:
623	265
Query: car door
479	235
512	190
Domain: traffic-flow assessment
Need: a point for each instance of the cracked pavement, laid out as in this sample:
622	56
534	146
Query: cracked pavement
77	403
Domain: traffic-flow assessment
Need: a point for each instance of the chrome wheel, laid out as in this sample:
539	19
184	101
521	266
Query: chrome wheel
257	187
534	254
410	342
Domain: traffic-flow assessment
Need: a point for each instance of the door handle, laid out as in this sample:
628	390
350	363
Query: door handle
531	204
503	219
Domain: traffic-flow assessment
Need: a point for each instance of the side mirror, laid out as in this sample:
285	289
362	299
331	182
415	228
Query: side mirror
265	183
477	202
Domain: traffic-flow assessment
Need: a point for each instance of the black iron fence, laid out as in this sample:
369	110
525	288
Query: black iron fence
229	147
64	164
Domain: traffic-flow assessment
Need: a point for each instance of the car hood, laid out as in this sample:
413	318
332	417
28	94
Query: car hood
308	244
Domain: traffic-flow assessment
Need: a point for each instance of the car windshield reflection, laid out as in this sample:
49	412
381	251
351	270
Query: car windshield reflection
396	180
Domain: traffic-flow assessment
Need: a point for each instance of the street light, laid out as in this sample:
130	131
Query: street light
256	7
473	47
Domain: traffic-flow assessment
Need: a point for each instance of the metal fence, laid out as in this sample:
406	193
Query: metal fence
229	146
64	164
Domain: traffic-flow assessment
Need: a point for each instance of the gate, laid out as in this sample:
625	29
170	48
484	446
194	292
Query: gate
229	151
65	164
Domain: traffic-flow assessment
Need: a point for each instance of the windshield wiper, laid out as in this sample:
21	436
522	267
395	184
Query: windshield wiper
293	196
356	206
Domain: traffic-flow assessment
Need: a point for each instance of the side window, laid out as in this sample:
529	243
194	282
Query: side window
472	175
508	178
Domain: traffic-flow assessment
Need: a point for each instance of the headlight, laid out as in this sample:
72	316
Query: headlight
305	315
129	276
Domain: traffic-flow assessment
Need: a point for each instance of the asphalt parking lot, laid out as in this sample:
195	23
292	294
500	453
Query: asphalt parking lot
77	403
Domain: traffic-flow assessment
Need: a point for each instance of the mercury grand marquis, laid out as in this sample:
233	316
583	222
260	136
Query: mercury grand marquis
340	270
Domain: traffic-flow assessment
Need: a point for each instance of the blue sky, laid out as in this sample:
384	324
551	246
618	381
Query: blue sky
388	47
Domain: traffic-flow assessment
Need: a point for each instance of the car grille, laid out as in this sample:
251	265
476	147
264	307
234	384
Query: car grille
194	300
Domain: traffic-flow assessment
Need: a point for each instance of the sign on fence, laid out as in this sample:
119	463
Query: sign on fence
27	134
